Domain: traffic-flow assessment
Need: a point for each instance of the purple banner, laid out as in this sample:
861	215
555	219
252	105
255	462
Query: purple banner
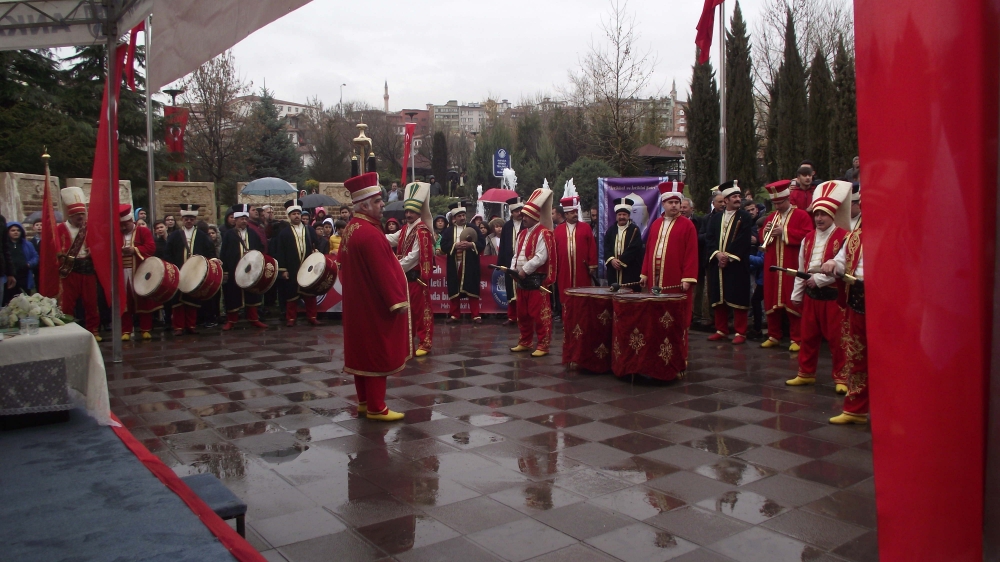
643	214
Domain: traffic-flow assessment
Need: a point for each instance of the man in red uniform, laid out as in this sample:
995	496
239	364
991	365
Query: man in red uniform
782	233
377	339
816	297
850	264
535	265
671	262
576	249
414	245
76	268
137	245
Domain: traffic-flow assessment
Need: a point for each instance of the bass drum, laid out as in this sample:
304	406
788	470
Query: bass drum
256	272
201	278
156	280
317	274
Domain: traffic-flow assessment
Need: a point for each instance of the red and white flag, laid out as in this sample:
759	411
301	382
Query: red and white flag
705	27
407	146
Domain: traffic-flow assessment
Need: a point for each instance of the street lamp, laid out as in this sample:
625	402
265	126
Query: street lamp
342	98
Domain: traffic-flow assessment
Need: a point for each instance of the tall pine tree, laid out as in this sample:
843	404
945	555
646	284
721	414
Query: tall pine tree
844	129
703	134
771	132
792	109
741	135
820	114
274	154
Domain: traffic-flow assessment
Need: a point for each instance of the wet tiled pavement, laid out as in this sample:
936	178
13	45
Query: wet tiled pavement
505	457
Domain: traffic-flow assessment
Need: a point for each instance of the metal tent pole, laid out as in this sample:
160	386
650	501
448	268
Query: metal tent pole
111	31
150	174
723	175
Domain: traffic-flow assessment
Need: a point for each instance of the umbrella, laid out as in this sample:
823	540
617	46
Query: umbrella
394	210
37	215
268	187
497	195
314	200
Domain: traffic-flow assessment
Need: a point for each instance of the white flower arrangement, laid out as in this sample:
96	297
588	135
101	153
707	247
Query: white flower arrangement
22	306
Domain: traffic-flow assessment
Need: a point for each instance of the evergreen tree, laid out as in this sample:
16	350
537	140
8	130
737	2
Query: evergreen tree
771	130
529	135
820	114
584	172
439	159
496	134
274	153
792	109
741	134
567	129
844	128
652	128
703	134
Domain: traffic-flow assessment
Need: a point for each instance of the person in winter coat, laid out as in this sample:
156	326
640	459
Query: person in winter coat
23	259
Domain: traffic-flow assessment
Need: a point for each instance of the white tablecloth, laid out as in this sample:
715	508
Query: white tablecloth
85	374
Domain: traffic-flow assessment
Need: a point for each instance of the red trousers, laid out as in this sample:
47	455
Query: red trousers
512	310
821	320
855	345
371	392
456	310
534	317
234	317
422	314
292	308
774	323
722	319
184	317
76	286
135	304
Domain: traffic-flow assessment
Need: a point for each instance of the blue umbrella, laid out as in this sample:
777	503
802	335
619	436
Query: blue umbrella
268	187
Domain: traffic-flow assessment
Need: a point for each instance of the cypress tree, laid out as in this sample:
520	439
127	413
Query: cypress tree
274	154
820	114
844	129
703	134
741	135
793	116
771	130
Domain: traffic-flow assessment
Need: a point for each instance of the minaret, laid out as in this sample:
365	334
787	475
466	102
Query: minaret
673	90
386	96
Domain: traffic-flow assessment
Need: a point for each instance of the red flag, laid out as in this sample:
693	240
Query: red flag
130	59
176	119
705	27
48	261
407	143
103	188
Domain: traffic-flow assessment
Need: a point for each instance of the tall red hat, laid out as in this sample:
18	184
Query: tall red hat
571	203
831	197
364	186
124	212
539	206
671	190
778	190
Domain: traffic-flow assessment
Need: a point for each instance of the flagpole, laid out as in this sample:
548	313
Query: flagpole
723	175
111	31
150	174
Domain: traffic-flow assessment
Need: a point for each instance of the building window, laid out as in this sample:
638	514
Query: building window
682	128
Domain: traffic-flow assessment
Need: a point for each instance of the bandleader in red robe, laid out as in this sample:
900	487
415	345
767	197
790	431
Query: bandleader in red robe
377	341
790	227
137	245
576	249
672	248
77	282
533	261
414	245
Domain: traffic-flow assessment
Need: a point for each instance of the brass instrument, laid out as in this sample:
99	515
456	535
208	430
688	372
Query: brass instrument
363	144
779	223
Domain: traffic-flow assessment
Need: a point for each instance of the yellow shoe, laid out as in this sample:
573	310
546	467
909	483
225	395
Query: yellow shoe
517	348
770	342
794	347
801	381
98	338
125	337
421	353
841	389
362	408
539	353
389	415
845	419
147	336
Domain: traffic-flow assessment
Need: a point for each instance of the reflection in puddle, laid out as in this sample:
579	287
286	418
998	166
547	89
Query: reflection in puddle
747	506
734	472
285	455
483	420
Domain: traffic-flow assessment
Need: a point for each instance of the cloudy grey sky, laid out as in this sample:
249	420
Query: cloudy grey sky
433	51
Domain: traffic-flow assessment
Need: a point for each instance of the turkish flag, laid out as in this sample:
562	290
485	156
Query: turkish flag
705	26
104	196
176	119
407	144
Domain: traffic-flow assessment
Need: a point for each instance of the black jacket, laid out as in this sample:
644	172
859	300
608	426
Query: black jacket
6	265
631	257
177	246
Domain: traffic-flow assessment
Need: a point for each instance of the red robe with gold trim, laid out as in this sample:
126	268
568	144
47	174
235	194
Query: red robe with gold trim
671	254
821	319
534	309
144	246
77	286
576	255
783	251
377	339
420	292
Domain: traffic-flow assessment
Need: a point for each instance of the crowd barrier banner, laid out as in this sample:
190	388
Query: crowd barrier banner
492	291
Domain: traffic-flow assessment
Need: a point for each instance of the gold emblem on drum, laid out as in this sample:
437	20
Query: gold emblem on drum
636	341
577	332
667	320
616	350
604	317
666	351
269	270
601	351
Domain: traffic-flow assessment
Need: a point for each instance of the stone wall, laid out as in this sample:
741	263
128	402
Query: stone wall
170	194
337	191
124	189
22	194
277	202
